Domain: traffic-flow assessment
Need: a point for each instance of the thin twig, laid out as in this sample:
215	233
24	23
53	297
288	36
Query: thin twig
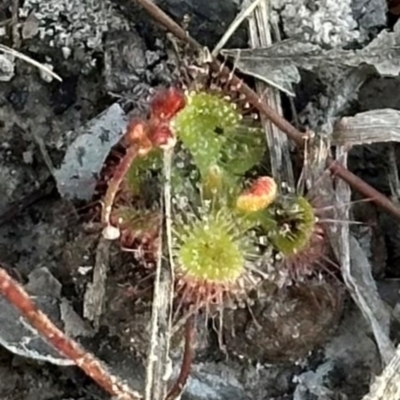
158	364
115	183
244	13
180	383
285	126
14	23
29	60
278	144
393	173
93	367
94	297
362	187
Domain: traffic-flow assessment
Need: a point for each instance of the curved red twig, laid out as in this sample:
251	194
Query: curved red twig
87	362
180	383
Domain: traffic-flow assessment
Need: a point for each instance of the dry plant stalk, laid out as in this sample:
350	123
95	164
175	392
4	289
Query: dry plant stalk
387	386
158	363
357	273
29	60
278	144
94	297
245	13
87	362
382	125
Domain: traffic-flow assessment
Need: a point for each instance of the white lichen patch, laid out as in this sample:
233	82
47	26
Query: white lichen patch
324	22
74	23
6	67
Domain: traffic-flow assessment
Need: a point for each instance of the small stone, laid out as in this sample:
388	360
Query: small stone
6	67
45	75
111	232
31	27
66	51
85	156
27	156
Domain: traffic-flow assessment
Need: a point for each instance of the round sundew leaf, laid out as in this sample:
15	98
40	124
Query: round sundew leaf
292	227
204	125
152	163
211	249
243	150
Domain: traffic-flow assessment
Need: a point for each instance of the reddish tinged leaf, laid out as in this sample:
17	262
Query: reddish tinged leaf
166	104
110	232
155	132
137	135
161	135
260	195
262	186
140	138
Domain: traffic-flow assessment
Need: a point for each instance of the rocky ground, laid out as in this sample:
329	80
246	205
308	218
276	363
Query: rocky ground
110	55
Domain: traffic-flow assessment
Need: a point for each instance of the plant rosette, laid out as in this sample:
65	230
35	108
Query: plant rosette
210	129
297	236
222	141
290	225
211	254
217	143
212	244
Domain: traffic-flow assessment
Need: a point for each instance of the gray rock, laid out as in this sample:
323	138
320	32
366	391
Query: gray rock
370	14
328	23
78	174
6	67
124	61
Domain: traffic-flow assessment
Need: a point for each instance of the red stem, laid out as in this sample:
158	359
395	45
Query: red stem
93	367
180	383
115	182
362	187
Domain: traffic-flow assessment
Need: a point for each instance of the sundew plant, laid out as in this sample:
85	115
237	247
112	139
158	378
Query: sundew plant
225	220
